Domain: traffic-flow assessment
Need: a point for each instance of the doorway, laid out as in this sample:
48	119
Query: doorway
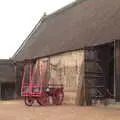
99	71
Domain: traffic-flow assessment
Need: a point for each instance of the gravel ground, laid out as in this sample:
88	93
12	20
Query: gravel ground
16	110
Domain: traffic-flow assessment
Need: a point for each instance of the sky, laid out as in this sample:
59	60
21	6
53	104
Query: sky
18	18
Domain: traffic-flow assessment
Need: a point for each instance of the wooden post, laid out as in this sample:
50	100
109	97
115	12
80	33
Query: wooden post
81	95
117	70
0	91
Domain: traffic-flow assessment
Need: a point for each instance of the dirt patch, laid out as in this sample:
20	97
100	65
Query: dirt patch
16	110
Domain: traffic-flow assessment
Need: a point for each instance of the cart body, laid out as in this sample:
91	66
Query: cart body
41	91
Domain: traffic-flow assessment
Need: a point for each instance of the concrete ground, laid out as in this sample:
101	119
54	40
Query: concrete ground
16	110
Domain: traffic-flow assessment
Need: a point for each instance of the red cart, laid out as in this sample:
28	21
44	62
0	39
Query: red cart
39	90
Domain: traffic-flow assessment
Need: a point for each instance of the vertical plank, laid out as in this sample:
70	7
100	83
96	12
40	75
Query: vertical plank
117	70
81	93
0	91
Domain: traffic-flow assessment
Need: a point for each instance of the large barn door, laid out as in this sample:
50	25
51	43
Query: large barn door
94	76
99	71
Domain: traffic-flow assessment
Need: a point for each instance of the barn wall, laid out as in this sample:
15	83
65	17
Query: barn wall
7	79
7	73
68	69
8	91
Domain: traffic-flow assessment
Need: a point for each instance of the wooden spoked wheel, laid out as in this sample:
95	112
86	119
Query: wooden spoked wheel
58	98
28	101
38	101
43	99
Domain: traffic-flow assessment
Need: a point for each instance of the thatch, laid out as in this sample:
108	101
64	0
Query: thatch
83	24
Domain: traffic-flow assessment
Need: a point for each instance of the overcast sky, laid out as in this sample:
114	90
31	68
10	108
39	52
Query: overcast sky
18	18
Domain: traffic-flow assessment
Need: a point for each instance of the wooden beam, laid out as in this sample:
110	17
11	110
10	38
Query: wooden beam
117	70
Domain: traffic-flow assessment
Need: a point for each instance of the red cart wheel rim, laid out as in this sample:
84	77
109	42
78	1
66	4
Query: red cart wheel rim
59	98
43	99
38	101
29	101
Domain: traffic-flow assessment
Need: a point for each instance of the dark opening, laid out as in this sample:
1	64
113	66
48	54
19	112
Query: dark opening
99	71
106	58
7	91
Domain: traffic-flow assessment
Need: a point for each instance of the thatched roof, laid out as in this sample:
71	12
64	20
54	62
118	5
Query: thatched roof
7	73
79	25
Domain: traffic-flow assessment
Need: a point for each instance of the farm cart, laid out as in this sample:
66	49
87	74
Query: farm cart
36	87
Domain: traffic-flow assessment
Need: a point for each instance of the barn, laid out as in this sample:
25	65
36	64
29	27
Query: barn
7	79
81	44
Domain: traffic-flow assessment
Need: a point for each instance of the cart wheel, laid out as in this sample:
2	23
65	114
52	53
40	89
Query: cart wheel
58	99
43	99
28	101
38	101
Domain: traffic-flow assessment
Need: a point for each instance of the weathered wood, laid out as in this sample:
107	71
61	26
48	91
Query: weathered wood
7	71
117	70
81	96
